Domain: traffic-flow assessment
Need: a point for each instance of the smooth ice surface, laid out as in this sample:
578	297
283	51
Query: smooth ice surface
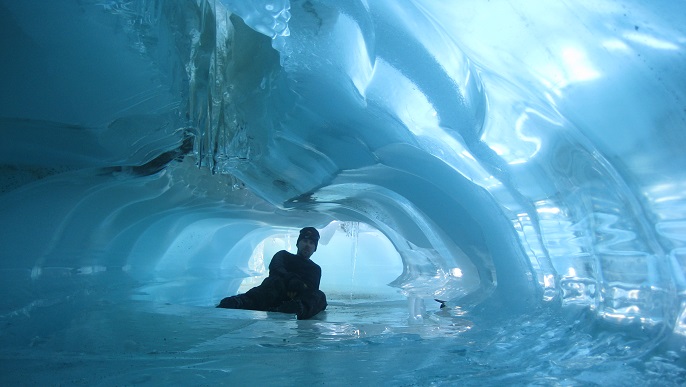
521	160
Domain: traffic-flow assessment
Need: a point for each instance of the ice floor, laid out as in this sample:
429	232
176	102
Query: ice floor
146	343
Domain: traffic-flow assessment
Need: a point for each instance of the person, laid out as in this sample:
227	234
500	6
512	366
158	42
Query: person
292	285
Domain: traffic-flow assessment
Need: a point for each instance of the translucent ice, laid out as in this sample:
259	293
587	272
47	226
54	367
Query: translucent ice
522	161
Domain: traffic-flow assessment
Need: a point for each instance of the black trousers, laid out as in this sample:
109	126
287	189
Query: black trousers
270	296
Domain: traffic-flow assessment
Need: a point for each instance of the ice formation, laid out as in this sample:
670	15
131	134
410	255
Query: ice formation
508	157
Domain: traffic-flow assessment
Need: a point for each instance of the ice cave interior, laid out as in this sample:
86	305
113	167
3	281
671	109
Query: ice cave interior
521	160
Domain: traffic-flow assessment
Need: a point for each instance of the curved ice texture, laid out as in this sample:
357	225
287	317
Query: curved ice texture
486	139
515	155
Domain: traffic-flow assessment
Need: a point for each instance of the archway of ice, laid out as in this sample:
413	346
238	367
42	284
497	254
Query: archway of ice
501	156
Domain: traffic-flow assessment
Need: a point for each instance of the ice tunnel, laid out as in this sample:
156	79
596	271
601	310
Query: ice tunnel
522	161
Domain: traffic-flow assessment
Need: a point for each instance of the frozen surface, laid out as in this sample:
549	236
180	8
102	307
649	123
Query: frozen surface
522	161
93	341
365	344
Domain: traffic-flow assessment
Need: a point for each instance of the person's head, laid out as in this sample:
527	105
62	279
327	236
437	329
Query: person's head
307	242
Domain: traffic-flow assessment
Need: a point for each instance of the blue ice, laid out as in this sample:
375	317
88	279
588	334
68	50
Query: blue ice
522	161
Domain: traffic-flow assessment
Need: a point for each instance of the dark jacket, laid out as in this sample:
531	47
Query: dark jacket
289	266
288	273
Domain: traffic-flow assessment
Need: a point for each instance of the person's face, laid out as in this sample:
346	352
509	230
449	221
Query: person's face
306	248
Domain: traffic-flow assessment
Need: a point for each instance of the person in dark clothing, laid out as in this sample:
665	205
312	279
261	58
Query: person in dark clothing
292	286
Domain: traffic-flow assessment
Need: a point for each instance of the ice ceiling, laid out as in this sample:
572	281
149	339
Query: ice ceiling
510	153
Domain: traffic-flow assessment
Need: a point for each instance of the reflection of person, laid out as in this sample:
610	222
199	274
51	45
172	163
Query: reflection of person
292	285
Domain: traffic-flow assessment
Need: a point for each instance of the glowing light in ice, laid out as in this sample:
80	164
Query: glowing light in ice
578	65
650	41
615	44
548	210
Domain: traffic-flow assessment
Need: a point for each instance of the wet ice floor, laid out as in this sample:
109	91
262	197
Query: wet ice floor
364	344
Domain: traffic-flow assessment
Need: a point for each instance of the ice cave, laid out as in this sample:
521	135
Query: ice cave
522	161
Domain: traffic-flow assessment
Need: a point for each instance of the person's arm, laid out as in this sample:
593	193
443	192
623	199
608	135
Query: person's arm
278	265
312	277
308	279
277	268
318	278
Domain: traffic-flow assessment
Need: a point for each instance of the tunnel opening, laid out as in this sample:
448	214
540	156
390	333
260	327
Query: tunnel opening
358	262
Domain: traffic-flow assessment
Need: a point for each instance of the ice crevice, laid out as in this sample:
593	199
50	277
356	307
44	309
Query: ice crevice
156	155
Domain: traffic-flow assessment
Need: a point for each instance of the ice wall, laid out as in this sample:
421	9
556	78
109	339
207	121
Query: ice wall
511	153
